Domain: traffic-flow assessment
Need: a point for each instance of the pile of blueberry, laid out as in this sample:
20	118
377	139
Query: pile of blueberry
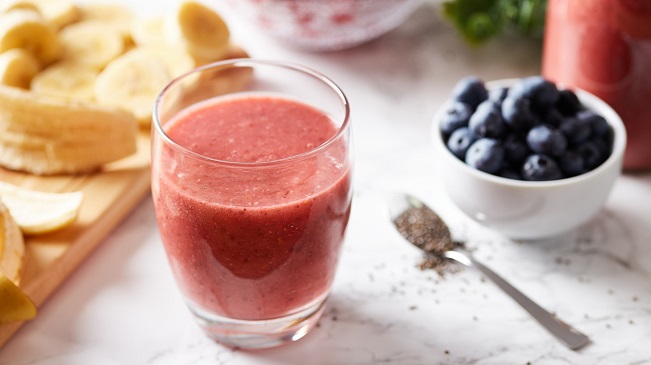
530	131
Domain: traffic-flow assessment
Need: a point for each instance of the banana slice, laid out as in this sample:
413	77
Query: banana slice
91	43
28	30
149	32
9	5
67	80
15	305
45	135
38	212
17	68
176	61
58	13
199	29
12	246
113	15
132	82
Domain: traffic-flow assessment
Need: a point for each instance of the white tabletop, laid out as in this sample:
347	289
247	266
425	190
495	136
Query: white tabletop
122	307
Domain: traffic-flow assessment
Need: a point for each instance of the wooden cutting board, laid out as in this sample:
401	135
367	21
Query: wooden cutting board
109	195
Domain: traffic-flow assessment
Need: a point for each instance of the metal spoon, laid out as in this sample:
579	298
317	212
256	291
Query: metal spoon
400	204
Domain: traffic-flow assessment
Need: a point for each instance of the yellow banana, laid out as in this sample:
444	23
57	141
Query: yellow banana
91	43
149	32
45	135
15	305
176	61
37	212
9	5
57	13
17	68
199	29
117	16
28	30
132	82
68	80
12	246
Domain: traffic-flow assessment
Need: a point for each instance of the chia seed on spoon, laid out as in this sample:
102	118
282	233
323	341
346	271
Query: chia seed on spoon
427	231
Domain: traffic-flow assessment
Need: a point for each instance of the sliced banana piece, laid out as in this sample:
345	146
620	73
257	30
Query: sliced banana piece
45	135
9	5
132	82
199	29
38	212
176	61
149	32
67	80
12	246
15	305
18	67
28	30
58	13
113	15
91	43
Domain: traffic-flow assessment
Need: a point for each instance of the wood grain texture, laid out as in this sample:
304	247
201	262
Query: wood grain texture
109	195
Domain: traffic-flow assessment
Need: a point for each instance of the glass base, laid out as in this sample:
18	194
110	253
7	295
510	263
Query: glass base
258	334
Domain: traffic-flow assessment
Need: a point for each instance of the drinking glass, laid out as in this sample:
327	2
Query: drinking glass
251	182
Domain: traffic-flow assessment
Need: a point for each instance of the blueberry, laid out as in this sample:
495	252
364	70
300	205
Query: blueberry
498	94
547	140
510	173
470	90
598	124
542	93
517	114
576	130
592	154
487	121
459	142
568	103
455	117
540	167
571	163
605	146
486	154
553	117
515	149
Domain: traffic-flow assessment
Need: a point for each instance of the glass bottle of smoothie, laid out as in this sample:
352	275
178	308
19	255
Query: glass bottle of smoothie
604	47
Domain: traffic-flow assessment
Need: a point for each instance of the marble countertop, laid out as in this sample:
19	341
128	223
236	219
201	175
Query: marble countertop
122	307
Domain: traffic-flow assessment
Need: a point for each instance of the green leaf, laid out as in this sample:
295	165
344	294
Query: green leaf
479	20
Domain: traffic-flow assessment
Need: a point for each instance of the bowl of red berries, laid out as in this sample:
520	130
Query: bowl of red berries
325	25
527	157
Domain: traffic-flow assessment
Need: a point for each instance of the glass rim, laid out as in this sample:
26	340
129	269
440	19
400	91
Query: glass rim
249	62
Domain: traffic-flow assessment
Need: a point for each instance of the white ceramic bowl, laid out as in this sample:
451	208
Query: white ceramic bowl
324	25
531	210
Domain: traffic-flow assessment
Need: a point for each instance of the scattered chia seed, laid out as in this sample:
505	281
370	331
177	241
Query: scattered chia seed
427	231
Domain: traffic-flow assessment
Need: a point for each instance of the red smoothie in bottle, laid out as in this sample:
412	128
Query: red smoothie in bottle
604	47
253	242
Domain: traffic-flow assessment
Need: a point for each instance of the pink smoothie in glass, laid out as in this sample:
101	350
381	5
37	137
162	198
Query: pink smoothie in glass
604	47
253	242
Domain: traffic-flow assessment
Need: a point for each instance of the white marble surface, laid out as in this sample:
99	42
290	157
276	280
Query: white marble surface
122	307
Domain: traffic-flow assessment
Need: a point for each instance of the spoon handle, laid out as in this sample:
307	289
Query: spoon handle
561	330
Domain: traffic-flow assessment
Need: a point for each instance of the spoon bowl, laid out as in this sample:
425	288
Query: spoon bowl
407	212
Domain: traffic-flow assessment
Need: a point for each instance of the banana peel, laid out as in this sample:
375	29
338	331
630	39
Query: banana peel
15	305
